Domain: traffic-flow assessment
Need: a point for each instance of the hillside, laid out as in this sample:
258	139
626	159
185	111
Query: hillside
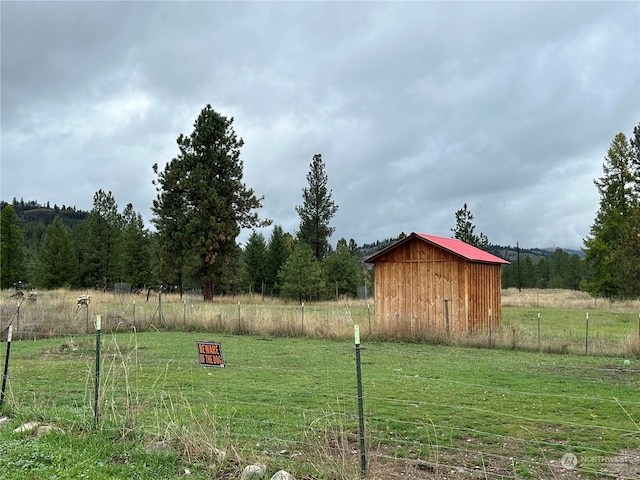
32	212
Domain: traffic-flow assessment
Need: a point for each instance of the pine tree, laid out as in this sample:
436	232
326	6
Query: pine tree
12	268
202	204
317	210
542	273
57	264
255	262
610	247
527	273
465	229
301	275
278	250
135	254
558	268
342	271
99	243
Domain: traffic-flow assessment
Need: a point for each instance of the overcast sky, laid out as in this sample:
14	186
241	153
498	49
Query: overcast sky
416	107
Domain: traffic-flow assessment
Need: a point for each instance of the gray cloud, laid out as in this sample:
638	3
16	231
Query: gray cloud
416	107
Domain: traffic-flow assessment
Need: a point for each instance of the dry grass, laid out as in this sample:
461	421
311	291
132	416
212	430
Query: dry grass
55	313
571	299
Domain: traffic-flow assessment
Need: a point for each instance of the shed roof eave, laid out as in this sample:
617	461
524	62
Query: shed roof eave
457	247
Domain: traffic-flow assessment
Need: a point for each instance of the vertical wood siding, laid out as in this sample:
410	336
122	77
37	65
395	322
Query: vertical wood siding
412	282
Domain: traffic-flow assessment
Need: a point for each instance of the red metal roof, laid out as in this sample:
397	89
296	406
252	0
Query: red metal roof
453	245
471	253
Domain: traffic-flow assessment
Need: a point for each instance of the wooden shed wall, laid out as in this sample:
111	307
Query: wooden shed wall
412	282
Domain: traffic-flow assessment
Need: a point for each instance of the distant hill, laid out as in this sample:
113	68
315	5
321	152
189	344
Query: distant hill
370	248
32	212
507	252
510	253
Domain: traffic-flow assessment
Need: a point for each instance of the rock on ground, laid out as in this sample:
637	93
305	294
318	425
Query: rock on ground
253	472
282	475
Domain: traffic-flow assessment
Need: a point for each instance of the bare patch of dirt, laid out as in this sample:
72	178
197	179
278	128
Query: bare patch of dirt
475	465
625	465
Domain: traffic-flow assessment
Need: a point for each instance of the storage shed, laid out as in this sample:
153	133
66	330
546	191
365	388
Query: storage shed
426	285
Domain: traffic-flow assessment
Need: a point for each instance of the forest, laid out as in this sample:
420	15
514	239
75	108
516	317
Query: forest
259	262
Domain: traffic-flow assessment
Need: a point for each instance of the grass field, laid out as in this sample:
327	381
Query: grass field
288	400
291	403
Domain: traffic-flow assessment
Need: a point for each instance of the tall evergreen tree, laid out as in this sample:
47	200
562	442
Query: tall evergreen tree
609	261
317	210
178	261
574	273
630	237
202	203
99	247
465	229
34	233
558	269
135	254
542	273
256	261
12	268
57	265
279	248
509	276
527	273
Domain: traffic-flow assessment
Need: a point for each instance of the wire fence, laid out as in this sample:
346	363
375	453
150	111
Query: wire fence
288	397
431	411
585	328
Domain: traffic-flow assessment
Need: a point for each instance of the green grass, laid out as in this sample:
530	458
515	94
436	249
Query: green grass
565	330
290	403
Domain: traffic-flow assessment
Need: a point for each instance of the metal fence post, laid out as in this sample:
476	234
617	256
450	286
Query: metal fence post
586	336
97	378
6	365
363	456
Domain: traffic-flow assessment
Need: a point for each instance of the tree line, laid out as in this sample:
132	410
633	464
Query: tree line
202	204
201	207
559	270
109	246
